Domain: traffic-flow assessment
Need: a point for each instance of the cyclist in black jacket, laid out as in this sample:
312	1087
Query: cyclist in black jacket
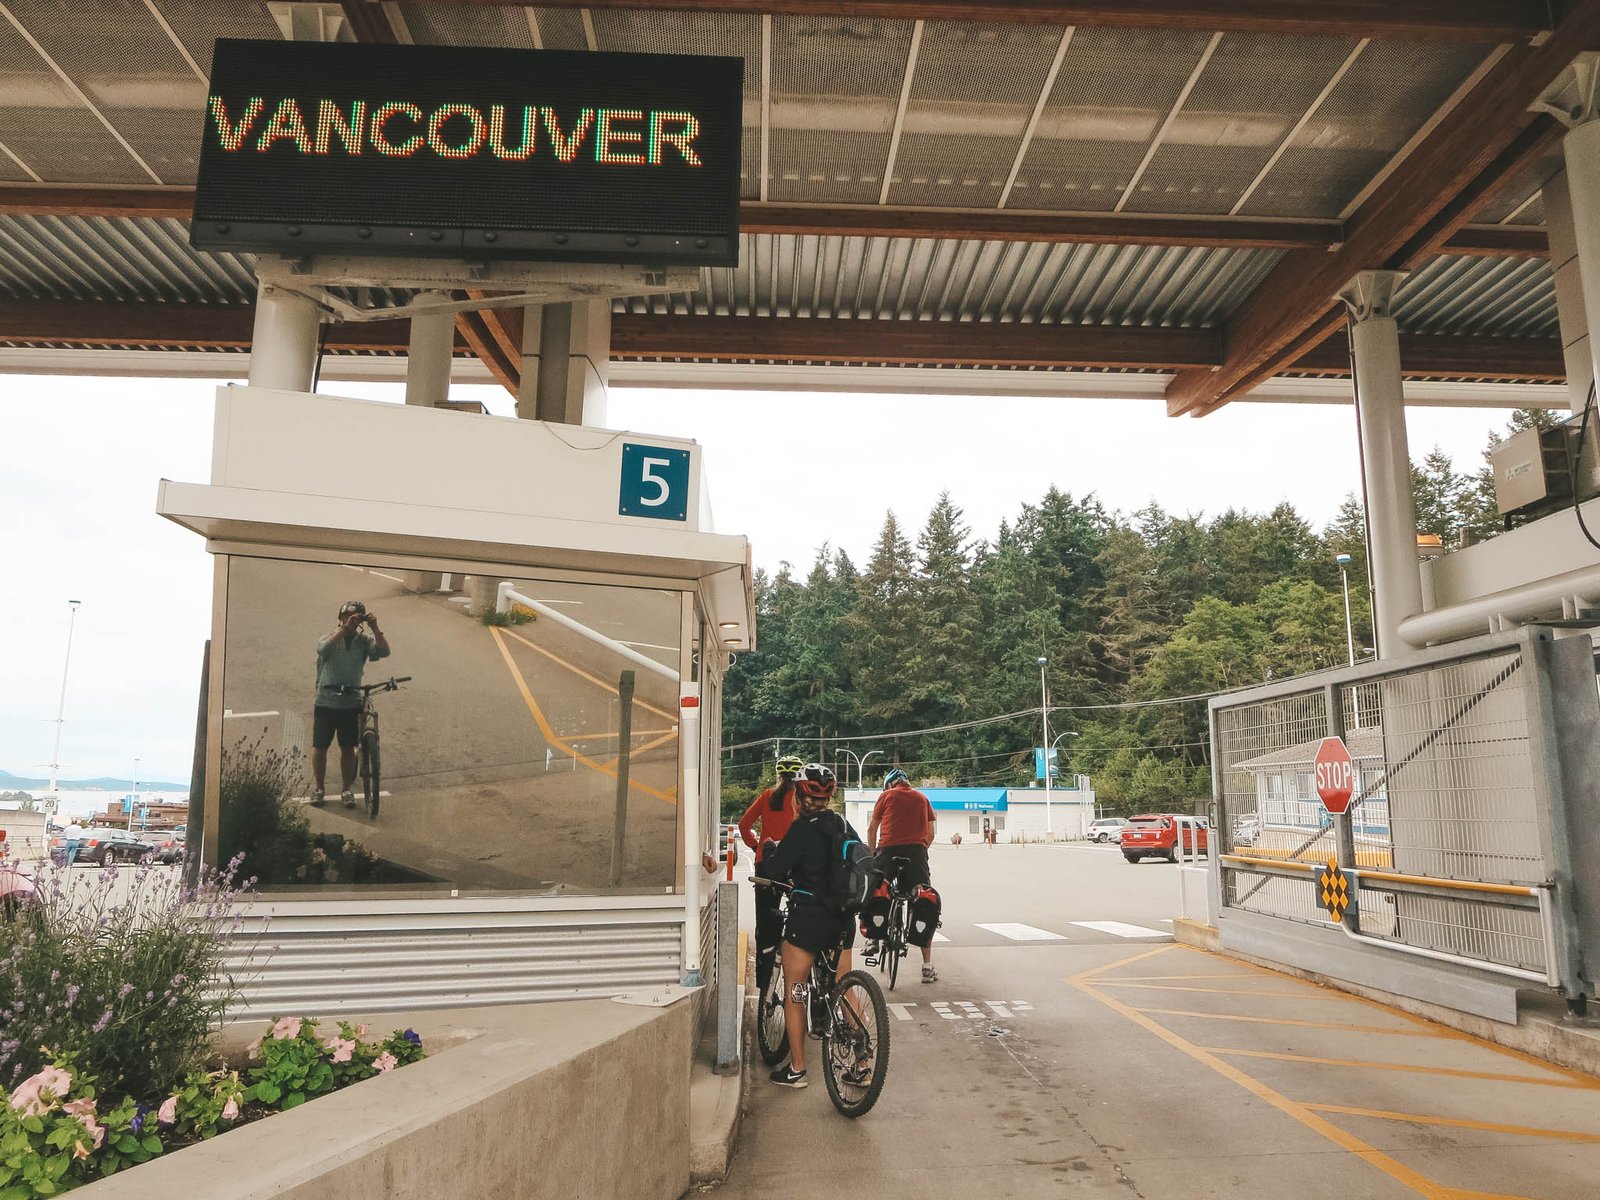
803	859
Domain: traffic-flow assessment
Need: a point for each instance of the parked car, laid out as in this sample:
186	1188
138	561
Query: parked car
169	845
1106	829
107	846
1155	835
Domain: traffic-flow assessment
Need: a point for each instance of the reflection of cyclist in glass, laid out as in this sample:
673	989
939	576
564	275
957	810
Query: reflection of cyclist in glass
767	819
342	656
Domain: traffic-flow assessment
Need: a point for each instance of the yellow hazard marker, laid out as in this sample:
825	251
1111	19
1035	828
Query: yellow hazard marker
1334	889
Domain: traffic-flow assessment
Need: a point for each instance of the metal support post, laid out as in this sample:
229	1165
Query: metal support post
1574	100
619	824
1344	831
569	348
689	804
1385	457
430	351
283	347
728	986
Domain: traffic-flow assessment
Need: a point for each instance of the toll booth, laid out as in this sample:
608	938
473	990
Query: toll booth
559	614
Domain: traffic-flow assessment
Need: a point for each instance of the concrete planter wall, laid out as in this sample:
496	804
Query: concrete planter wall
586	1098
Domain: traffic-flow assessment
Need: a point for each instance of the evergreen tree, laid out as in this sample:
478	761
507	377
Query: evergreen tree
883	627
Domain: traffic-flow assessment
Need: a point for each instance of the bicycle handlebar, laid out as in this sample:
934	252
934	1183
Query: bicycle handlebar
761	881
366	689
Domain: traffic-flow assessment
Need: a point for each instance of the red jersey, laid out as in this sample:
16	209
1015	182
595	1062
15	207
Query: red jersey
774	822
903	816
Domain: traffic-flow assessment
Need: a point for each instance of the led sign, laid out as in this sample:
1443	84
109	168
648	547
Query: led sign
475	152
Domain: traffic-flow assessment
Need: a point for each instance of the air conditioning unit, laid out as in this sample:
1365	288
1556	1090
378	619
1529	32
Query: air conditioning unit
1537	472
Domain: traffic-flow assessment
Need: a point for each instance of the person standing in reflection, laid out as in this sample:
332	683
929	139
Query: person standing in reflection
342	657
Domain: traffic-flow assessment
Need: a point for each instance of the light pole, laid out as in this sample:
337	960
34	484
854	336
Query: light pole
1344	578
61	708
860	761
1044	722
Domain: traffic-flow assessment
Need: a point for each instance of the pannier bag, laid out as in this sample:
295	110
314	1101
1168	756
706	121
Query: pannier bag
875	915
925	910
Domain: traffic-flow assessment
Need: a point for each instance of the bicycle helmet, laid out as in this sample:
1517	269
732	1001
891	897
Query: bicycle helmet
815	781
790	764
351	606
896	775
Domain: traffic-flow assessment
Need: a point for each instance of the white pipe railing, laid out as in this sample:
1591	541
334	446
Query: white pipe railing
1527	602
506	595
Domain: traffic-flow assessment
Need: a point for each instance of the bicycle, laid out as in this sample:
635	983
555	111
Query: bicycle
847	1012
367	742
892	948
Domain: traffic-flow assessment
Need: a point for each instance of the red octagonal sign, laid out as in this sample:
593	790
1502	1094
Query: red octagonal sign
1335	774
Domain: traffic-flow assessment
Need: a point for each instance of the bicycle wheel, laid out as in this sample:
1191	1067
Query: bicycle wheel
772	1033
855	1044
894	940
369	770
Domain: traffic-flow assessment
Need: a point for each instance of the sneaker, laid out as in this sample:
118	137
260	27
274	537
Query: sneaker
858	1075
929	975
316	797
349	799
787	1076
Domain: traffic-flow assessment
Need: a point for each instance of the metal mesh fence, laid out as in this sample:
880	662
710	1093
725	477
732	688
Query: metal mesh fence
1513	937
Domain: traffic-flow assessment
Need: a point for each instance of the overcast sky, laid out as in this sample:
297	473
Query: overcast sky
790	471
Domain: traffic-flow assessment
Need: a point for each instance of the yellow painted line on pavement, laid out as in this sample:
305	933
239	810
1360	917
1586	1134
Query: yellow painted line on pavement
580	672
550	734
1350	1110
1172	978
1399	1031
596	737
744	939
1312	994
1085	982
1407	1068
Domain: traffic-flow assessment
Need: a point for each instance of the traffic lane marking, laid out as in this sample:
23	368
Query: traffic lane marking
969	1009
580	672
1566	1135
1017	932
1211	991
1122	929
1085	982
1408	1068
1393	1030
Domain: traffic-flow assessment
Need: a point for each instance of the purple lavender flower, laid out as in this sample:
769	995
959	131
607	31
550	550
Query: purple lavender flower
123	991
105	1019
72	994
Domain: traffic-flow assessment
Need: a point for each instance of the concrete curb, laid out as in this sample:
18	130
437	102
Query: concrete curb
1542	1029
716	1108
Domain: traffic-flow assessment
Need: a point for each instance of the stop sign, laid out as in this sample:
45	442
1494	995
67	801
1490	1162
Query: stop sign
1335	775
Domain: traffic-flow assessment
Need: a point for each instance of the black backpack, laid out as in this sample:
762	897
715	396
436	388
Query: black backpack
852	870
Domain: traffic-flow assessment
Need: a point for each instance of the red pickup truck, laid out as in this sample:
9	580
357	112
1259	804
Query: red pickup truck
1151	835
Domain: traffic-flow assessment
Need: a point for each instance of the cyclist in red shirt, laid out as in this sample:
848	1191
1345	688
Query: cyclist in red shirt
903	827
772	812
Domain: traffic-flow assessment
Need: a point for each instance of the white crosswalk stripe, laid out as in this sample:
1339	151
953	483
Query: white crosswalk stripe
1122	929
1022	933
939	937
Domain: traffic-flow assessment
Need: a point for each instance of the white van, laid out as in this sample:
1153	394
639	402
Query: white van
1106	829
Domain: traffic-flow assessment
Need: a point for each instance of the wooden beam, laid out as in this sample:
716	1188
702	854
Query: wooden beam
1500	241
1485	21
1423	356
93	324
471	326
1412	210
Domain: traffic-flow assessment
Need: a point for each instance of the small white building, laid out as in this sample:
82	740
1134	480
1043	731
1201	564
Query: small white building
1015	814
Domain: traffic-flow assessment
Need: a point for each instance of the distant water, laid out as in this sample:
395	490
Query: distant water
90	804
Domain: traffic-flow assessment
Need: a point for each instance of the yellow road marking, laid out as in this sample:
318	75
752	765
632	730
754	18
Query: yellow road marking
743	942
1566	1135
611	733
1398	1031
550	734
1178	987
1166	978
579	671
1453	1072
668	736
1441	1031
1391	1167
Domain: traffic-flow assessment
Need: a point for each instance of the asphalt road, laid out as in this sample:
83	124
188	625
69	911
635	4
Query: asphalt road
1107	1061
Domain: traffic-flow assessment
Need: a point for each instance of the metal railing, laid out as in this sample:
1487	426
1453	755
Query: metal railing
1471	766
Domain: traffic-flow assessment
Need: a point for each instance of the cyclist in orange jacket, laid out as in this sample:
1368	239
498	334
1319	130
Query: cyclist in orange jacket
766	820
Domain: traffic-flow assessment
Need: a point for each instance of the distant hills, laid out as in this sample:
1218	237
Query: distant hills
10	783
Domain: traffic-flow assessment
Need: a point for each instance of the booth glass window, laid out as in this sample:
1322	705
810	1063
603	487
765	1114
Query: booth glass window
498	754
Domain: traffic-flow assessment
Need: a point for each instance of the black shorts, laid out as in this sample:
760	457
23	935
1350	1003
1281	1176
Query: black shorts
814	928
916	869
325	722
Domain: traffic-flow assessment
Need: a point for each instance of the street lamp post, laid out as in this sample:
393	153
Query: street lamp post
860	761
1044	722
61	709
1344	578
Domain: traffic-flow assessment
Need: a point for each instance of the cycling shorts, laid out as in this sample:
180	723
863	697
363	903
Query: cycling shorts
916	869
325	722
813	928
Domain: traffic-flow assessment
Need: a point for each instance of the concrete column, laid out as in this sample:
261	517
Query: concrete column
566	353
1385	456
1573	204
283	347
1571	313
430	350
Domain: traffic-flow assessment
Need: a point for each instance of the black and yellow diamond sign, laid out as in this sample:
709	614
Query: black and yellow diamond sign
1333	888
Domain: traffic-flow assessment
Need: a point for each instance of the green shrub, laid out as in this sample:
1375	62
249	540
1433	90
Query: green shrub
512	616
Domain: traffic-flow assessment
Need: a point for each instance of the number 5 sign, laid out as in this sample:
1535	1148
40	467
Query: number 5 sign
655	482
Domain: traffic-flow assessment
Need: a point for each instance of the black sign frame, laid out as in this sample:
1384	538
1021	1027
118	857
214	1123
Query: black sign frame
471	152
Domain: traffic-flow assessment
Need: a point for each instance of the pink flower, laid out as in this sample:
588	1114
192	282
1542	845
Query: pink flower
25	1099
79	1150
385	1062
168	1112
287	1027
230	1110
361	1031
80	1108
39	1093
254	1049
341	1048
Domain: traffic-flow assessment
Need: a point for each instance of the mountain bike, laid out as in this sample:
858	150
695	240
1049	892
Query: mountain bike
893	946
367	743
850	1016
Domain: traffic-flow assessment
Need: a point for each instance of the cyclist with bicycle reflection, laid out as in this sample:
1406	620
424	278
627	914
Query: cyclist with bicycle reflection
902	827
772	812
342	657
802	858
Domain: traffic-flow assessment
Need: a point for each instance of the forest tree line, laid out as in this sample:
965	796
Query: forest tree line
1131	611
